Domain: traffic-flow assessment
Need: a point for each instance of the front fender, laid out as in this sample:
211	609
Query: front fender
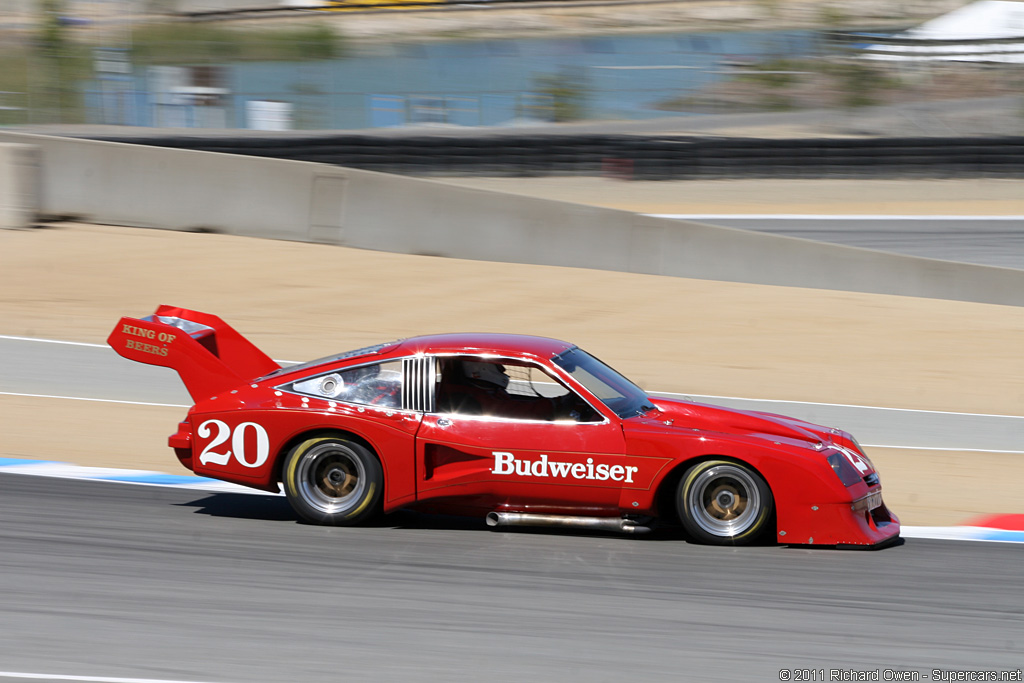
812	505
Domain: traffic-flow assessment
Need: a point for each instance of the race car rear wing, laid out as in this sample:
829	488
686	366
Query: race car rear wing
207	353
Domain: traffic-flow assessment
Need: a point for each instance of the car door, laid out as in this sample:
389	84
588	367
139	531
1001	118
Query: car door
535	444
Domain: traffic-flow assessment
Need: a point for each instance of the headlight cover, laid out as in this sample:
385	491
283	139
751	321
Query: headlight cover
846	472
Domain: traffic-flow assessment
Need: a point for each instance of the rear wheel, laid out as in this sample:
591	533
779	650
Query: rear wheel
332	480
724	503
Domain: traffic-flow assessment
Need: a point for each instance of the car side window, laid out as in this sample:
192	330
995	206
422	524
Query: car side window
377	384
508	389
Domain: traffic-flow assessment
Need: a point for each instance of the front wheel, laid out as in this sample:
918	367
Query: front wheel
724	503
331	480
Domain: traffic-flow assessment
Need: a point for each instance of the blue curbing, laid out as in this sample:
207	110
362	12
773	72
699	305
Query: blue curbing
157	479
14	462
63	470
1001	535
49	468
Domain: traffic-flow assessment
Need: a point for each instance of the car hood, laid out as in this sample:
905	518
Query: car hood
674	415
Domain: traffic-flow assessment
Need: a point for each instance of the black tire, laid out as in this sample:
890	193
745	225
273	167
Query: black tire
331	480
722	502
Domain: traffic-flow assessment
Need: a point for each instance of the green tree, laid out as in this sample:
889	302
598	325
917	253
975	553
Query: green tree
56	64
566	92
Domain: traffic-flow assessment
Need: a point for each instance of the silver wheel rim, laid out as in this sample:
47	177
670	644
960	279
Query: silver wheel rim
724	501
331	478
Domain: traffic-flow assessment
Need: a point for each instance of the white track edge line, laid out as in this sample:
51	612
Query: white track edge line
951	449
96	400
100	346
829	217
214	486
53	341
936	533
954	533
660	393
836	405
90	679
945	533
178	405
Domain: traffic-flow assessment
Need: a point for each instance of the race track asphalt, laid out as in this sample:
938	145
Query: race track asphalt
110	580
987	241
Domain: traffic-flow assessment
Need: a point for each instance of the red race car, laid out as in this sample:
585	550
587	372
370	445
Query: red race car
522	430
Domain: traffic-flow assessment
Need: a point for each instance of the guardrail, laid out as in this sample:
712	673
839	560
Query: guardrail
628	156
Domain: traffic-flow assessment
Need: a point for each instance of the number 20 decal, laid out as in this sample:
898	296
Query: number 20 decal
209	456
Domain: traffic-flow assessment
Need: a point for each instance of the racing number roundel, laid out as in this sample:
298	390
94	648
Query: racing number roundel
221	432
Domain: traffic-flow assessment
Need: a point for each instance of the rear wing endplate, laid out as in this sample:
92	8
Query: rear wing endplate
208	354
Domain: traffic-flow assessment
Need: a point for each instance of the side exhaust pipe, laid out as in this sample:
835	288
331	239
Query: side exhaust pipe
616	524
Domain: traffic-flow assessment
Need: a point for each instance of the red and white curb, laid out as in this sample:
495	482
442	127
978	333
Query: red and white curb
997	528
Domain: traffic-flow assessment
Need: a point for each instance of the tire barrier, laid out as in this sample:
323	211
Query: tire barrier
628	156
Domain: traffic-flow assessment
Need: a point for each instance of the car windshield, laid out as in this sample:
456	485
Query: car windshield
615	391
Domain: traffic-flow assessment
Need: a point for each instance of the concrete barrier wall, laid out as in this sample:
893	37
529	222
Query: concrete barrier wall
19	185
181	190
431	218
154	188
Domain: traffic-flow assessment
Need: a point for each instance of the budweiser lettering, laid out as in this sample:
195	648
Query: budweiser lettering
507	463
